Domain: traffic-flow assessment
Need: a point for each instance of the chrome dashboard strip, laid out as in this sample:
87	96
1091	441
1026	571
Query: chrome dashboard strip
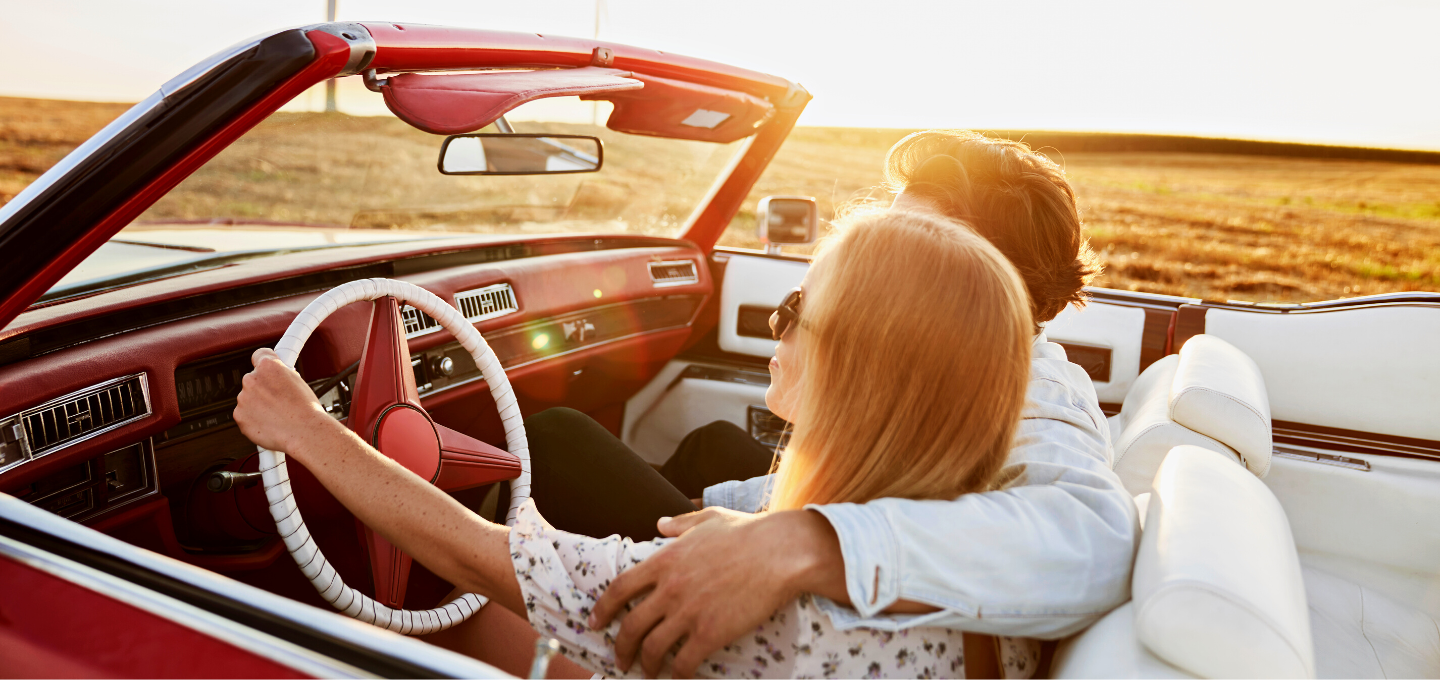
260	644
548	357
424	655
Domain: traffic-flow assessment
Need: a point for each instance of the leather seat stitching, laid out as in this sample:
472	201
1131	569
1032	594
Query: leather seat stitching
1268	430
1120	456
1212	390
1366	636
1436	626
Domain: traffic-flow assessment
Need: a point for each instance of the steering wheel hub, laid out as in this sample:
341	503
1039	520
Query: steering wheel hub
406	435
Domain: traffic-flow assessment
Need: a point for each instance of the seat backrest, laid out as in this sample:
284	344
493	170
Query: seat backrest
1218	590
1210	395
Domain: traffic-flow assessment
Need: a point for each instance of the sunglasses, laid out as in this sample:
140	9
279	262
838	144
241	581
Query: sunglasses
786	315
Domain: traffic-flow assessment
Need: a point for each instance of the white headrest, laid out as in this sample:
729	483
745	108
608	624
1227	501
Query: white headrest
1146	431
1218	391
1218	590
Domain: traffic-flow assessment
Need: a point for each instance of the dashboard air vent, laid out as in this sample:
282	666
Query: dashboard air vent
477	305
85	414
417	322
673	273
487	303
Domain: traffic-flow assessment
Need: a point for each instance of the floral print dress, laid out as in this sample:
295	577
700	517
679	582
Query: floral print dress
562	575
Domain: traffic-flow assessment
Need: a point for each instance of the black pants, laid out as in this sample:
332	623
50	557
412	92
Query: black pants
586	481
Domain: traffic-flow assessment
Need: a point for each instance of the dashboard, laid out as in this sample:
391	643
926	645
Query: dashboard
116	410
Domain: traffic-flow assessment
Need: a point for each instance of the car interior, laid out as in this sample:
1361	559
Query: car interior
1285	458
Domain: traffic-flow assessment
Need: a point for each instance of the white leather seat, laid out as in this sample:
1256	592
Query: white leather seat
1217	590
1110	649
1360	633
1209	395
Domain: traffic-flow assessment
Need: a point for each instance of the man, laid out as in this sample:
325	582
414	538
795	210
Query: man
1044	556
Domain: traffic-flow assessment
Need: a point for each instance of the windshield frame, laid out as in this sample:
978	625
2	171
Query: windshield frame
80	204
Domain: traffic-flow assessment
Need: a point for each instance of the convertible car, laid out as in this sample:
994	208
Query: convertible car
440	273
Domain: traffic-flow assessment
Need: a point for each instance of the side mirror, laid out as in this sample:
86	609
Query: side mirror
517	154
787	220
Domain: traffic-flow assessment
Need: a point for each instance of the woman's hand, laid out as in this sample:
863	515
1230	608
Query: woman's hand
276	409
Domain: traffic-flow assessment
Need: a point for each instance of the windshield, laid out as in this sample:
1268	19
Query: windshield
377	172
304	180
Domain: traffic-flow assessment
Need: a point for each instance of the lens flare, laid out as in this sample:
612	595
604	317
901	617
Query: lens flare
541	341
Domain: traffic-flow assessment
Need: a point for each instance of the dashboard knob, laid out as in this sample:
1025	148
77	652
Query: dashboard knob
444	366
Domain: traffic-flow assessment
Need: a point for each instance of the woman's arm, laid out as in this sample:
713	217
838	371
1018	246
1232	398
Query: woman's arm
277	410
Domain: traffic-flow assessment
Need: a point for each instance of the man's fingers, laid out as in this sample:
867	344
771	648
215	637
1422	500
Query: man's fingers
661	638
262	354
695	650
634	629
622	590
674	526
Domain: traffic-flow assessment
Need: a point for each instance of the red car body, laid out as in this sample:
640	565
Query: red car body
74	602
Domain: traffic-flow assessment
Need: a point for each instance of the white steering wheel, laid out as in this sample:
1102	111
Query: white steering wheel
386	412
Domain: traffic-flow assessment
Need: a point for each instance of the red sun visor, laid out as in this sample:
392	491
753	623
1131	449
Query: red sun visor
682	110
456	103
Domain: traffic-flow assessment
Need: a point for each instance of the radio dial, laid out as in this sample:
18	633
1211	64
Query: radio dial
443	366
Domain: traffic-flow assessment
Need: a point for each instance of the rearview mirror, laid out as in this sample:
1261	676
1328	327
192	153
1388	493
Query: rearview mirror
787	220
517	154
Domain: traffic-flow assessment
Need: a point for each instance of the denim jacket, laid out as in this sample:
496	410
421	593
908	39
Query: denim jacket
1044	557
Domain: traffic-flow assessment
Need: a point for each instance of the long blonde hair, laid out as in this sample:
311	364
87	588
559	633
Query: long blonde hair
915	364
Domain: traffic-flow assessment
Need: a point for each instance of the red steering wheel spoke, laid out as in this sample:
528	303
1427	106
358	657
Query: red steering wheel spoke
466	462
389	567
385	377
386	412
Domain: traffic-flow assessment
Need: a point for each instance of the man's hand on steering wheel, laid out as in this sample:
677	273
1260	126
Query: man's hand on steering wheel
276	408
726	573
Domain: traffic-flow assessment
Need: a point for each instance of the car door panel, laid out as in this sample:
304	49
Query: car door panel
753	283
695	395
728	382
1104	330
1366	369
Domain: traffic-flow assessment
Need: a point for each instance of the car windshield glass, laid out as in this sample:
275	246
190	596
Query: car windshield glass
377	172
304	179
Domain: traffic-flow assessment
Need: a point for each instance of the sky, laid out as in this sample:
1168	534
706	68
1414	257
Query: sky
1351	73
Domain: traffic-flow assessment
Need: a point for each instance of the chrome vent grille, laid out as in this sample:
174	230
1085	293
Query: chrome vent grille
416	322
673	273
81	415
487	303
477	305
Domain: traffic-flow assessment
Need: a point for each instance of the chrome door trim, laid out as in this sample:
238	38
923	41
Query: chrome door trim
243	637
107	134
440	661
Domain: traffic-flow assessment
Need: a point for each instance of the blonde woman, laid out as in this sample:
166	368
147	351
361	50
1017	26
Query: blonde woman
897	388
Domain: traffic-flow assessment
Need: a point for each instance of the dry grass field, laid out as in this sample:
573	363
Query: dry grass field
1261	228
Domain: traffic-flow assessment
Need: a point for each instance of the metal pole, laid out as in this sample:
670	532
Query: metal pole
330	84
595	105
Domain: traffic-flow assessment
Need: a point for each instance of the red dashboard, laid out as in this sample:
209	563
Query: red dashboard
127	395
